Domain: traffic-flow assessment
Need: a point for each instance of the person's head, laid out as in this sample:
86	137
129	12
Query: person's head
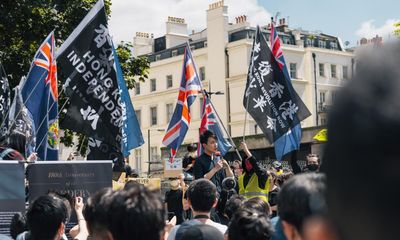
17	141
233	204
68	200
300	198
191	147
236	164
202	232
46	218
248	224
96	212
18	225
202	195
313	162
257	204
209	142
361	159
277	166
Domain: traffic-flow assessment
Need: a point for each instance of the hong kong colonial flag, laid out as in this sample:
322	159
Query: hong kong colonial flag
269	98
40	96
189	88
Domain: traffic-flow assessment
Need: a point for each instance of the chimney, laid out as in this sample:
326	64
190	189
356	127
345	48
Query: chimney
177	32
242	20
142	43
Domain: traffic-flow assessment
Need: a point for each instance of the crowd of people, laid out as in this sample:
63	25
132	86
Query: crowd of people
349	194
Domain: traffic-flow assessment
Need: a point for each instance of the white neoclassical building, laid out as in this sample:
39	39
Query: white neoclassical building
221	53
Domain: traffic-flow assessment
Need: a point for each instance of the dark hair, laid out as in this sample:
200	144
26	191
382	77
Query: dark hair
257	204
361	159
191	147
136	213
247	224
67	198
206	135
96	211
300	197
44	217
18	225
17	141
233	204
137	207
202	195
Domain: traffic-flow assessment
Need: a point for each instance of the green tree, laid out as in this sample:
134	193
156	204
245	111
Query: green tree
24	24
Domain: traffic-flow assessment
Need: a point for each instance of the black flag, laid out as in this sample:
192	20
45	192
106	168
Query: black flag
4	101
270	100
102	150
86	60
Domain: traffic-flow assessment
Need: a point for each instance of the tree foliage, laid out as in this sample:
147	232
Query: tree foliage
397	29
24	24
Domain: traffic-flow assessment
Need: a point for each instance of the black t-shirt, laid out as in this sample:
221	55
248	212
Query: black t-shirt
203	165
186	161
173	198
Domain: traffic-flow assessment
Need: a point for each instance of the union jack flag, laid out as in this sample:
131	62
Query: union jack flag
209	122
188	90
277	51
40	95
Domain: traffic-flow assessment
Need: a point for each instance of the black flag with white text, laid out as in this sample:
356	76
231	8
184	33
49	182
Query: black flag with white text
86	61
270	100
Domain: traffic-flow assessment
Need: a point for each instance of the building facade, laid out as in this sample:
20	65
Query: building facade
222	53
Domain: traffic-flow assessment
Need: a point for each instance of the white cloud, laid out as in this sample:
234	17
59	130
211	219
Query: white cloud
131	16
369	30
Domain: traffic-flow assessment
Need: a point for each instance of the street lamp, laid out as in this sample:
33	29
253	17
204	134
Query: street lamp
148	147
315	88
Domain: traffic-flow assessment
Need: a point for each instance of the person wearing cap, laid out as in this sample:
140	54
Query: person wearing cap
277	166
254	182
173	200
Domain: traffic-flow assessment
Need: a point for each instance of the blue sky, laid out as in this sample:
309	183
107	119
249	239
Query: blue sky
339	17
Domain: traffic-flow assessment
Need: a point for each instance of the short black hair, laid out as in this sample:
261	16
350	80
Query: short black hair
248	224
300	197
17	141
361	158
233	204
137	207
206	135
137	213
44	217
257	204
18	225
202	195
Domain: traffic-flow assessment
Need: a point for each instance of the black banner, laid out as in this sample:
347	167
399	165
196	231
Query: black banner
12	192
4	101
86	60
76	178
269	98
102	150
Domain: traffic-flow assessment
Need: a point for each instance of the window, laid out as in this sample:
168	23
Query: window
293	70
158	57
153	154
334	45
308	42
323	121
321	97
255	128
153	116
174	53
345	72
321	70
202	72
137	88
169	81
138	159
139	116
322	44
333	70
334	96
169	109
153	86
201	99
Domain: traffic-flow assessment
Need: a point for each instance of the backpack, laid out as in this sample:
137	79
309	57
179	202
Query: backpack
5	152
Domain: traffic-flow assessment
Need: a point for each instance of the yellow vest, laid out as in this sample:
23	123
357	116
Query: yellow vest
252	189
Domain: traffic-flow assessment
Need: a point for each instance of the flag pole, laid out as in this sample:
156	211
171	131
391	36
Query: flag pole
223	126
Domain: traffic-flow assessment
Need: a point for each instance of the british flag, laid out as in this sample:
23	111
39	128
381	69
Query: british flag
209	122
189	88
40	95
277	51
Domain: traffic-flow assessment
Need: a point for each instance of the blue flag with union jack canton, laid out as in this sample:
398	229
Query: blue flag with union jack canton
291	140
189	88
209	122
40	96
